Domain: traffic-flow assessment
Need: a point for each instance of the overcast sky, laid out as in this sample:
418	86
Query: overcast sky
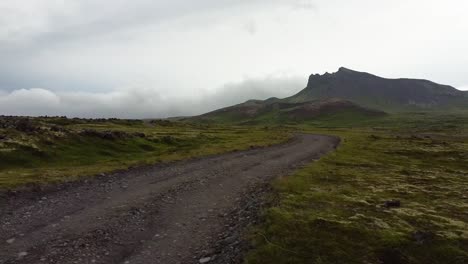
158	58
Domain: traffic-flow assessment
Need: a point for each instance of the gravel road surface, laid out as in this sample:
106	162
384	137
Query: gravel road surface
191	211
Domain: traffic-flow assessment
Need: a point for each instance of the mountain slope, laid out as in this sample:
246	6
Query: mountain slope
377	92
275	110
343	96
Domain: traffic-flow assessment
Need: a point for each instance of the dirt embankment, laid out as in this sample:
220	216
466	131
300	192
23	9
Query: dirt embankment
185	212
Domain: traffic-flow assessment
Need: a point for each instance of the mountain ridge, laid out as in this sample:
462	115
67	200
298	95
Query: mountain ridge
345	94
377	92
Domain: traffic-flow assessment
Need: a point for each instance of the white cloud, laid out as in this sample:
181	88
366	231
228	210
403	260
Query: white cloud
29	101
141	102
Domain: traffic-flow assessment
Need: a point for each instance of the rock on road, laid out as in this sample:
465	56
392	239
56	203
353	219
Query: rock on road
184	212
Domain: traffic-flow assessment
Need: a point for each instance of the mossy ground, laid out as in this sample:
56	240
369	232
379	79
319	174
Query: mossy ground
47	154
333	211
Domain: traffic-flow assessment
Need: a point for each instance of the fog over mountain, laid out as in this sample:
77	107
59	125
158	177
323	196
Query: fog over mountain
160	58
138	102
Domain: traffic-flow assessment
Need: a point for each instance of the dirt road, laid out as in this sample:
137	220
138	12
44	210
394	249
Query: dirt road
185	212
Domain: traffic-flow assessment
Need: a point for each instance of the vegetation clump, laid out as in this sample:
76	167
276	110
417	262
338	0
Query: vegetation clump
399	199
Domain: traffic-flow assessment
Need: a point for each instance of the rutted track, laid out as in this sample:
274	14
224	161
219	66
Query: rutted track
176	213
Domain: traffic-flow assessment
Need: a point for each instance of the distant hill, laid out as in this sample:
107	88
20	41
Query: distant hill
376	92
275	110
343	96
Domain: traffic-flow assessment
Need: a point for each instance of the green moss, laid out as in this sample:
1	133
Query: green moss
333	210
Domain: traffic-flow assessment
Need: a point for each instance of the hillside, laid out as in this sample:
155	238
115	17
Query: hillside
343	96
276	110
376	92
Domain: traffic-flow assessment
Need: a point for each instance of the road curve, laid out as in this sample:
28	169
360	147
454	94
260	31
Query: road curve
184	212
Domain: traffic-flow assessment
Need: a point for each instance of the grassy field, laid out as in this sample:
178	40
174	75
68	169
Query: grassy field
41	150
395	191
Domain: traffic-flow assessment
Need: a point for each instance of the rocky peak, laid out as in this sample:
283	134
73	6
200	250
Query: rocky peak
343	69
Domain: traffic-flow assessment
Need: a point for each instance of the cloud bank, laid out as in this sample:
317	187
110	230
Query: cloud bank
140	102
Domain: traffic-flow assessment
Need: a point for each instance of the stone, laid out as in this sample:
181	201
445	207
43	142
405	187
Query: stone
205	260
392	203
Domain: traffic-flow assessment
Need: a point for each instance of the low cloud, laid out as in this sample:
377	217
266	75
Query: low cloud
463	88
141	102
